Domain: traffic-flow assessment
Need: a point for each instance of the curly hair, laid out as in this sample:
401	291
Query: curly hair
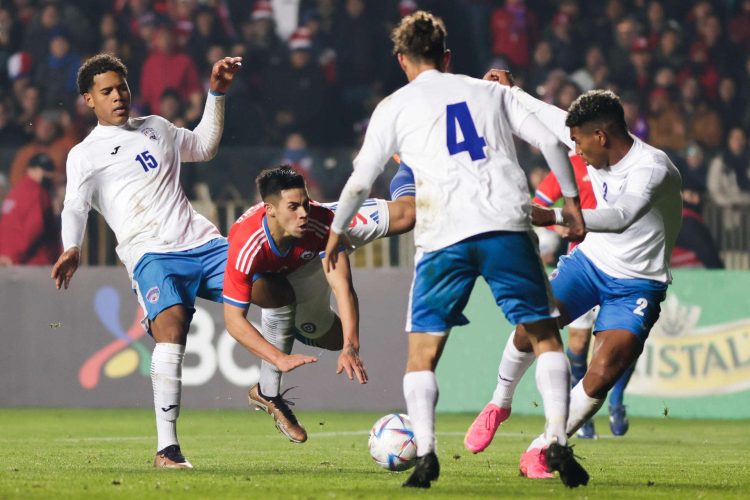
421	37
601	107
272	181
96	65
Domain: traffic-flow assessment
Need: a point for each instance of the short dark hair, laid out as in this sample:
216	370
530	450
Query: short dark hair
420	36
272	181
96	65
599	107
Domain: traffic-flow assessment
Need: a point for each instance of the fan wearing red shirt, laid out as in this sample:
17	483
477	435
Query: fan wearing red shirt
280	234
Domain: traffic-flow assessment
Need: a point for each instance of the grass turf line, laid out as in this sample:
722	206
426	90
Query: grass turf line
239	454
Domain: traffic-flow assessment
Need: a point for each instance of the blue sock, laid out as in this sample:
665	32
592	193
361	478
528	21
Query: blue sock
578	366
616	395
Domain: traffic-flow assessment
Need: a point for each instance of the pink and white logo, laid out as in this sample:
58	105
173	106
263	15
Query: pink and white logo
153	295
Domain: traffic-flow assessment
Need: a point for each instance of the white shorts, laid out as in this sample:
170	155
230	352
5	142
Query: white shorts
585	321
314	316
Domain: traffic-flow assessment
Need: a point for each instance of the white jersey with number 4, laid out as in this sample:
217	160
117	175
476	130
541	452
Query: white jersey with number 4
456	134
131	175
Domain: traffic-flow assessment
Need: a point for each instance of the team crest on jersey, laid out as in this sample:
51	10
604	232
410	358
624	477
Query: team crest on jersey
308	327
153	294
150	133
307	255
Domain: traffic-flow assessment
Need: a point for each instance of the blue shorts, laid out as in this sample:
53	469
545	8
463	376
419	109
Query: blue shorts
163	280
626	304
444	279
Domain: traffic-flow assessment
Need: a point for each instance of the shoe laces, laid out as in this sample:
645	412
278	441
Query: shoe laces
283	405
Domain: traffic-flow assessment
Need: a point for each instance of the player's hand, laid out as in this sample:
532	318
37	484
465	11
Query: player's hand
500	76
542	216
562	231
223	73
573	219
291	361
350	362
65	266
5	261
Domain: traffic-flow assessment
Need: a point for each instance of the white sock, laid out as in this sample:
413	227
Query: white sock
276	327
421	394
582	408
166	379
513	365
553	382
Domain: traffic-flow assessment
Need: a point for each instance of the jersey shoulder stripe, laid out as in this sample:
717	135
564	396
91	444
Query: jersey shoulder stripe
246	246
253	253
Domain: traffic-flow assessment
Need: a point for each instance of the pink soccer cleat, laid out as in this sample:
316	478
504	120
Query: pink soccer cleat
482	430
534	464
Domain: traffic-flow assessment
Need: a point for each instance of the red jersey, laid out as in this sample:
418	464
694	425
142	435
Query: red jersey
29	233
252	250
549	191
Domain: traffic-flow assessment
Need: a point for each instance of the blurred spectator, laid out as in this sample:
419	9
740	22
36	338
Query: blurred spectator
656	22
639	74
665	124
728	105
167	67
47	139
297	156
729	172
10	41
207	32
170	107
29	233
566	94
30	100
695	247
586	77
702	69
695	170
739	26
636	120
668	49
704	123
541	66
360	57
38	33
56	74
264	50
10	133
564	47
513	31
286	17
618	58
294	94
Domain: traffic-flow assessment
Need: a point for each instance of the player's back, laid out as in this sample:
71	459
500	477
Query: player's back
455	132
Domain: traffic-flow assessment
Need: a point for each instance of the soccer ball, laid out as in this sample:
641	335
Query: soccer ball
392	444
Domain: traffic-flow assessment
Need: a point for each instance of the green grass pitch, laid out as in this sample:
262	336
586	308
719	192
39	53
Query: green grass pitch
239	454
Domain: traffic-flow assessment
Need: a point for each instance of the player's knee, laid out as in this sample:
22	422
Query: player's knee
578	340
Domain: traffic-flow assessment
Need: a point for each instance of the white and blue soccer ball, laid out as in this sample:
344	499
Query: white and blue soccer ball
392	443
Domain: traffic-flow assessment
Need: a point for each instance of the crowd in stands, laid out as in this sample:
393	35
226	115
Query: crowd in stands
314	70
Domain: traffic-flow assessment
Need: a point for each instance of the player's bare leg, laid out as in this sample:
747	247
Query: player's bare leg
169	330
421	394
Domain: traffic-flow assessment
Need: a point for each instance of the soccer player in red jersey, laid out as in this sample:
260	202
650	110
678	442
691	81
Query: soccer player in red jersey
277	236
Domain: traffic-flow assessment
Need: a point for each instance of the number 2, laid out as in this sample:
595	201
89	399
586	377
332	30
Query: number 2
472	143
642	304
147	161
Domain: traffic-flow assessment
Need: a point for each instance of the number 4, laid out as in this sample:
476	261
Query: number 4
642	304
472	143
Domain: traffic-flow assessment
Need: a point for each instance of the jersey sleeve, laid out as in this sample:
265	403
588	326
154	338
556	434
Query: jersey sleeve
548	191
202	143
241	264
79	191
378	146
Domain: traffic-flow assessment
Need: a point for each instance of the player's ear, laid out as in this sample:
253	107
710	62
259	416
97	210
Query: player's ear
88	99
401	60
446	68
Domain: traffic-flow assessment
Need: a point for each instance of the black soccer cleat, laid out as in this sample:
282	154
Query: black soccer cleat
561	459
426	470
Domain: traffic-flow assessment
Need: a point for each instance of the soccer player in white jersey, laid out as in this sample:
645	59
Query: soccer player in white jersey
622	266
472	205
128	170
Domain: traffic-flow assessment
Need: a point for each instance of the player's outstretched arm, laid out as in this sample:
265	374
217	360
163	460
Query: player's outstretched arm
250	338
340	280
65	267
